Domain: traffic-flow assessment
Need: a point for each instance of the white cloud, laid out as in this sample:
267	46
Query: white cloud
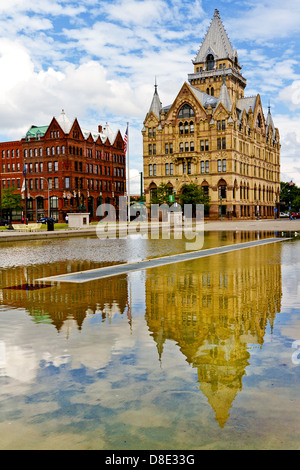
291	95
290	142
135	12
266	21
16	65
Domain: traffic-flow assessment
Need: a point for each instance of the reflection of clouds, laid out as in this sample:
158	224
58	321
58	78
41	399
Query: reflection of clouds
19	363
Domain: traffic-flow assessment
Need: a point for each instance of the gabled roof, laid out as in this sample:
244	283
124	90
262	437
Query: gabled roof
205	99
246	103
216	42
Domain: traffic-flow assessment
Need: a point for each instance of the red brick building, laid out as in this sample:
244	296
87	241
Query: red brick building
68	169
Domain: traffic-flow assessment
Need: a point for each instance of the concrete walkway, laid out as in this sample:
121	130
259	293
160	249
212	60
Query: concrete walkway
264	225
108	271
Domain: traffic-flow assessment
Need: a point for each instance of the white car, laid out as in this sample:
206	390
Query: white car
284	214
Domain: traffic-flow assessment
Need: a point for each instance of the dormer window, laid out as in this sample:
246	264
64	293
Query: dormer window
259	121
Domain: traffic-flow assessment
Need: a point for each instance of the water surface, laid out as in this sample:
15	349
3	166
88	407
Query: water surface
193	355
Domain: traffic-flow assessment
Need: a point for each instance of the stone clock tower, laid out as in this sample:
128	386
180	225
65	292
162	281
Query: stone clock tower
214	136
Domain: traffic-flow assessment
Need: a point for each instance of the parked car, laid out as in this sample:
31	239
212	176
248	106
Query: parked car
295	215
44	220
3	222
284	214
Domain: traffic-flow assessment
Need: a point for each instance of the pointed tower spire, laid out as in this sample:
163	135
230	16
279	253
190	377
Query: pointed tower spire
224	97
216	42
217	58
156	104
269	121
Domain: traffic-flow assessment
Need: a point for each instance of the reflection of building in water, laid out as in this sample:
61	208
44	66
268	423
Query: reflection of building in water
59	304
214	308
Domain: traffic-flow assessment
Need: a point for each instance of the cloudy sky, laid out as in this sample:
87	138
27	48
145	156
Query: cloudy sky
98	61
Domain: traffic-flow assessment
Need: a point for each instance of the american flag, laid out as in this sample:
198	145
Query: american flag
291	183
125	141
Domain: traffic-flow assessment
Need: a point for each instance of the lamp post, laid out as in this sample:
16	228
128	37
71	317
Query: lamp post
48	194
257	210
141	173
221	215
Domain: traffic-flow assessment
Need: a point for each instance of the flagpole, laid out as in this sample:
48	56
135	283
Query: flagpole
128	182
25	200
24	186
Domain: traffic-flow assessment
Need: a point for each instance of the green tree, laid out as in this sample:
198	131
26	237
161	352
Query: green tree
192	194
289	197
10	201
161	196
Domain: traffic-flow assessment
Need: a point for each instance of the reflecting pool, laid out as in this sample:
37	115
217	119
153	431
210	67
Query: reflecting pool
194	355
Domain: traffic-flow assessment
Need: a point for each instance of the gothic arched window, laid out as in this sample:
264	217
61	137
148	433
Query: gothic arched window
259	121
210	62
186	111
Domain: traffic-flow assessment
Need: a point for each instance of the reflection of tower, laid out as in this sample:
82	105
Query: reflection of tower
213	309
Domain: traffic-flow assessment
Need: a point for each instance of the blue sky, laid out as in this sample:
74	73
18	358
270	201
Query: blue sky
98	61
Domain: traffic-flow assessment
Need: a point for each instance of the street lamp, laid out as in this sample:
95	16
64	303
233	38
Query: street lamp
221	207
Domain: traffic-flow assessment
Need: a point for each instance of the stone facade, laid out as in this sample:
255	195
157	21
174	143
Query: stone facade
214	136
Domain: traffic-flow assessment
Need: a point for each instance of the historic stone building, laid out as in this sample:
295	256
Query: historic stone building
214	136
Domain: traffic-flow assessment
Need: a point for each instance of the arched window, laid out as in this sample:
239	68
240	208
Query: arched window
186	111
210	62
192	127
180	128
212	92
186	128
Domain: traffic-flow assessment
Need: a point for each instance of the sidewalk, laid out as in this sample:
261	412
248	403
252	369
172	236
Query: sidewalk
264	225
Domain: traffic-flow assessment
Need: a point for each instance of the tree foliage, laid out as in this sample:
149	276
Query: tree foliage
10	200
192	194
161	195
289	197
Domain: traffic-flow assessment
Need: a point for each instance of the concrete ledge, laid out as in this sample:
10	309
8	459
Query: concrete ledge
264	225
